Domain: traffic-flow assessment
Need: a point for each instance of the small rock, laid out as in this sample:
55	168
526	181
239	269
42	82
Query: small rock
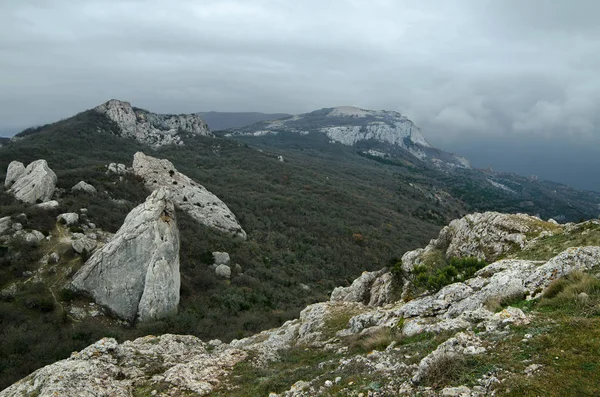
221	258
53	258
223	271
69	218
338	379
238	268
328	383
34	237
280	159
92	225
17	226
84	187
48	205
83	245
9	292
531	369
460	391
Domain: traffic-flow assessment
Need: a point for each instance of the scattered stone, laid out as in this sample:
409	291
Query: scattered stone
84	245
84	187
34	237
115	168
221	258
530	370
68	219
223	271
48	205
17	226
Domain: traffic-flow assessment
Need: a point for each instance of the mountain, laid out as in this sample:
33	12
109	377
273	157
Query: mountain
316	216
385	134
226	120
497	305
146	127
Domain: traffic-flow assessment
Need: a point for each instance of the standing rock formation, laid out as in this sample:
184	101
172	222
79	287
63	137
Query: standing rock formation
188	195
136	274
150	128
36	182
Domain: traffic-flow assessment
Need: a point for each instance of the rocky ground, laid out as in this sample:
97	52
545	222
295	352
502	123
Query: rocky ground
511	328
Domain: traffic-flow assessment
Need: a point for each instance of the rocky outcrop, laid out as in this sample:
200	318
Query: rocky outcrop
188	195
371	288
84	187
364	311
116	168
182	363
14	171
136	274
150	128
487	236
36	183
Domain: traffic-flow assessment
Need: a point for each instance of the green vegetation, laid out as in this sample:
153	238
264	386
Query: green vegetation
434	278
546	247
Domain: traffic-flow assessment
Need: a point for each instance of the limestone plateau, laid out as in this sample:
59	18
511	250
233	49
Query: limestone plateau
379	133
374	305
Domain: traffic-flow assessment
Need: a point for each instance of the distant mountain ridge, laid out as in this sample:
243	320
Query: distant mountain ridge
379	133
218	121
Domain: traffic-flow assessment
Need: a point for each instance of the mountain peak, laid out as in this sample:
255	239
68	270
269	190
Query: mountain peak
153	129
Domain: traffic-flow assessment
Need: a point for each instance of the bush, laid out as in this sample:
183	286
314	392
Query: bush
445	370
434	278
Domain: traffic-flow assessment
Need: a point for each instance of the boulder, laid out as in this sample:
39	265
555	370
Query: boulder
371	288
115	168
136	274
14	171
69	218
221	258
84	245
223	271
48	205
5	225
84	187
34	237
36	183
191	197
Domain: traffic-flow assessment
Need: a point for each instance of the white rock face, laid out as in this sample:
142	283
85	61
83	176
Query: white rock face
153	129
14	171
136	274
188	195
36	182
84	187
371	288
350	125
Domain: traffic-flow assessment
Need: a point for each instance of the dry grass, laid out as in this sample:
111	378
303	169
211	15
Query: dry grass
445	370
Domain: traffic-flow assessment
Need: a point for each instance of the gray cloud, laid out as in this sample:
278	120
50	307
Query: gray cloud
466	69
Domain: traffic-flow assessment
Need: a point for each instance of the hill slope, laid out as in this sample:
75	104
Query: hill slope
315	220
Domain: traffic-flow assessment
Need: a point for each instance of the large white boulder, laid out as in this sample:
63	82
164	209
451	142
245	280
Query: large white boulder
188	195
136	274
36	183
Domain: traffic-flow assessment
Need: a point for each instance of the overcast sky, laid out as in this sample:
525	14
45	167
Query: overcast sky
484	70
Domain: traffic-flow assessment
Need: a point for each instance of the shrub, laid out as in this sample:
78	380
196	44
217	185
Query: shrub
435	277
444	370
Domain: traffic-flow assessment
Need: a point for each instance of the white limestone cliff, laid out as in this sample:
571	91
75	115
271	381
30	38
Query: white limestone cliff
150	128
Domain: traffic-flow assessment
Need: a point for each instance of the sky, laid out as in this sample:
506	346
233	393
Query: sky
513	83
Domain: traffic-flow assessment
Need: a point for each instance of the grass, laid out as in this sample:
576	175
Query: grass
586	234
295	364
